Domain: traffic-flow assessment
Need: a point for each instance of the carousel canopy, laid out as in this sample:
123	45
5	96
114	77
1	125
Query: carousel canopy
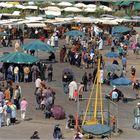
97	129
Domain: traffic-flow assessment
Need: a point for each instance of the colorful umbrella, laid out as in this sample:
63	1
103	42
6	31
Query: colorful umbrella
112	54
18	58
38	45
74	33
3	34
113	67
122	81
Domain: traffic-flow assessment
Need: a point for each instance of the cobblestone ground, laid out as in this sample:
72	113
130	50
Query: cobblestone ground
36	120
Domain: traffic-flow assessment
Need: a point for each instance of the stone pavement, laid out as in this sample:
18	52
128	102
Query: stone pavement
36	121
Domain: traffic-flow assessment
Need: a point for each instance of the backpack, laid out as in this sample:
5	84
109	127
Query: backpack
9	110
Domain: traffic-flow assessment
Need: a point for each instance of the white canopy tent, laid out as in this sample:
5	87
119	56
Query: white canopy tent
90	10
80	5
34	25
72	9
54	13
52	8
31	7
6	5
105	8
65	4
91	6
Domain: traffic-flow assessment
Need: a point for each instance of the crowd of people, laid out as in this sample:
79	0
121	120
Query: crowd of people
26	73
11	100
84	52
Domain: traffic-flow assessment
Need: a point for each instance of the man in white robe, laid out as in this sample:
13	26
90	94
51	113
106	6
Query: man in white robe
72	87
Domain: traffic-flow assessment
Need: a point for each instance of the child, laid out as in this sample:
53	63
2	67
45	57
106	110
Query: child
75	95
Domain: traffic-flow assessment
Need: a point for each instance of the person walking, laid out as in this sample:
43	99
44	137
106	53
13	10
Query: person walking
85	81
1	115
65	82
35	72
72	87
50	72
7	95
16	74
23	108
13	113
17	96
37	83
137	117
1	96
26	71
124	62
90	81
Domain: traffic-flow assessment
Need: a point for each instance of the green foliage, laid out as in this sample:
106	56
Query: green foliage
99	12
8	10
119	13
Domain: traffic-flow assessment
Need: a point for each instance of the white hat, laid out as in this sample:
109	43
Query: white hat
114	87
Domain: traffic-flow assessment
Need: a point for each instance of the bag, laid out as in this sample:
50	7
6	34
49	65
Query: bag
58	112
9	110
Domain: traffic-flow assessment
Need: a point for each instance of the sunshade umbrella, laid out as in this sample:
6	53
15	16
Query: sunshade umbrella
97	129
38	45
3	34
117	35
122	81
120	29
112	54
74	33
113	67
18	58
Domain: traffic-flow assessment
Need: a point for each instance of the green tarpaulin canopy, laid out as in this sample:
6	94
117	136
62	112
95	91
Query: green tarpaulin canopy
74	33
18	58
118	2
137	6
126	3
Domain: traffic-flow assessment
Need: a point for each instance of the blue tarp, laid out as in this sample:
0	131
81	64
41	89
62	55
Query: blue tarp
97	129
122	81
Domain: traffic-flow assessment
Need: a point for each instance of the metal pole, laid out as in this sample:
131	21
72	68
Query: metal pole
108	103
77	113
